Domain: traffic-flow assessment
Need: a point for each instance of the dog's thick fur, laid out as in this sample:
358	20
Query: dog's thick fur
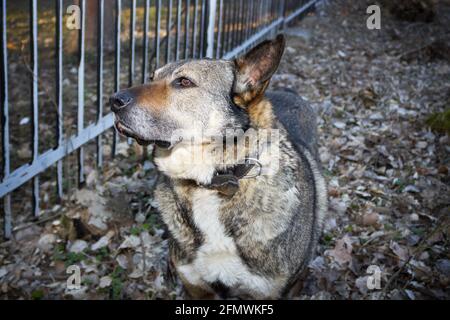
255	243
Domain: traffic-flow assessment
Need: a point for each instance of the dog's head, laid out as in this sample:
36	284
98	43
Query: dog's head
198	97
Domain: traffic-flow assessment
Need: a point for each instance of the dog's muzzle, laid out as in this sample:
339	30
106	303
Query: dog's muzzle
120	100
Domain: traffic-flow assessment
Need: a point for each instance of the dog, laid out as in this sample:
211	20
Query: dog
234	232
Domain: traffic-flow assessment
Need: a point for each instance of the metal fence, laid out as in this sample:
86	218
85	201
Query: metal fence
171	30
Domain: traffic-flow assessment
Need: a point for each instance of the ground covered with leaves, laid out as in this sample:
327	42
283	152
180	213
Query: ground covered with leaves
388	174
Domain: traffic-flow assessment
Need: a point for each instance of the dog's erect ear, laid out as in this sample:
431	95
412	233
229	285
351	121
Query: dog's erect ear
258	65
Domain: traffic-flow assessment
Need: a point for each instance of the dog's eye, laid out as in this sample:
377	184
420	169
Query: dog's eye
183	83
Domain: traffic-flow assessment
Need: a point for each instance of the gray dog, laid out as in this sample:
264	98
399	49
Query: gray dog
243	220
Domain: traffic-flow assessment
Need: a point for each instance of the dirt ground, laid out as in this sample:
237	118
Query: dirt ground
387	173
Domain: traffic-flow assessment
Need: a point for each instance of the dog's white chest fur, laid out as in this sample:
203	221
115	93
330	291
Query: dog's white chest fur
218	259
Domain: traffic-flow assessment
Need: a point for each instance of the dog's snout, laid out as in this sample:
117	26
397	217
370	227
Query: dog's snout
120	100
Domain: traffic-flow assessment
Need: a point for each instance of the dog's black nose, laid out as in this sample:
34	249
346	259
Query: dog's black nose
120	100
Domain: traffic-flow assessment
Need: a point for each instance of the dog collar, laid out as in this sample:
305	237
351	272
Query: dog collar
227	182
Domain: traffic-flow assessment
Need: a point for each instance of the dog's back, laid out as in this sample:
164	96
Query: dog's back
299	120
297	117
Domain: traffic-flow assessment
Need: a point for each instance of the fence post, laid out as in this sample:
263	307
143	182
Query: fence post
7	221
212	5
283	12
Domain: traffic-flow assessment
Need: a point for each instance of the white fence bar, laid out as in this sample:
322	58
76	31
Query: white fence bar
212	7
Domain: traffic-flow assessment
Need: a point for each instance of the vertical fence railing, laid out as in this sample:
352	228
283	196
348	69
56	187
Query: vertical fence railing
157	33
5	122
194	32
34	98
168	27
211	28
59	92
132	43
145	42
131	66
186	28
117	49
178	31
80	118
100	78
201	28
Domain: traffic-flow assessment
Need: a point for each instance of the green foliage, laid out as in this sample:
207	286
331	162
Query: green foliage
348	228
440	121
153	221
73	258
102	254
135	231
328	239
117	283
37	294
69	258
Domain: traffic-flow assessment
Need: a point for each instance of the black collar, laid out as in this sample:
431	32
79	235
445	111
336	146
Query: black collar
227	182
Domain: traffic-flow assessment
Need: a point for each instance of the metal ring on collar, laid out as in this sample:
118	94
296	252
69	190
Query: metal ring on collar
255	162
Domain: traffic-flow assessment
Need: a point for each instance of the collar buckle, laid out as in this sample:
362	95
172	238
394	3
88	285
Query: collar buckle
255	163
